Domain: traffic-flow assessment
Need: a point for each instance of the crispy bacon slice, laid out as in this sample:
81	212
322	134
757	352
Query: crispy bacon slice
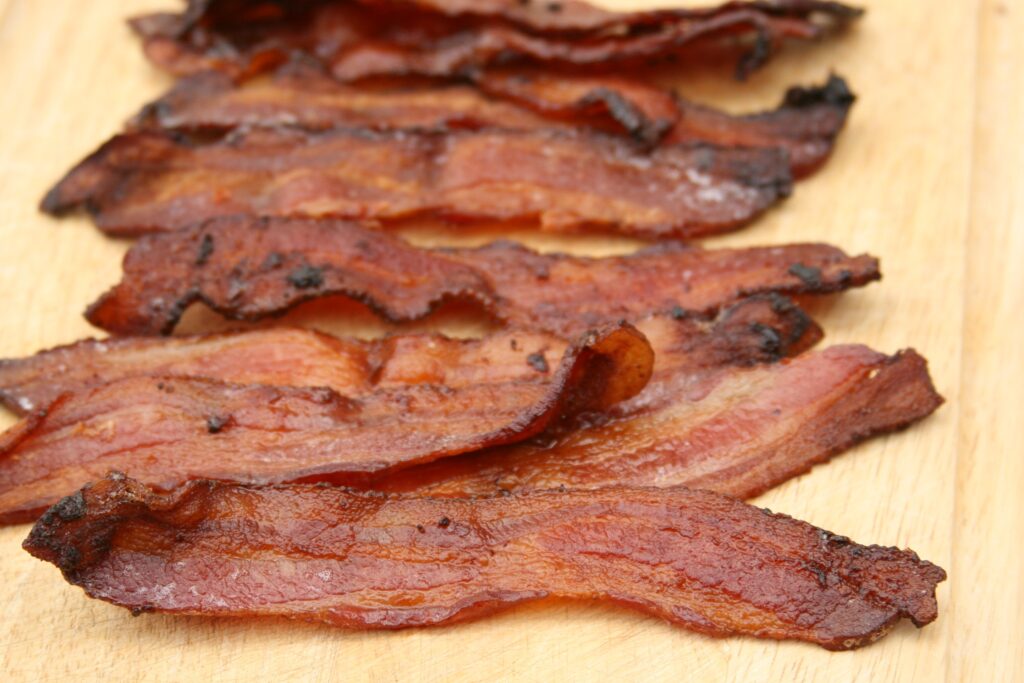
281	356
370	561
606	102
737	432
169	430
359	40
210	101
759	329
297	95
565	181
805	125
576	17
249	269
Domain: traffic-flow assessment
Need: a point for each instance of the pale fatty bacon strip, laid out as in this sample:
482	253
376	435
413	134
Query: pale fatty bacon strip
737	431
169	430
361	40
556	180
758	329
248	269
697	559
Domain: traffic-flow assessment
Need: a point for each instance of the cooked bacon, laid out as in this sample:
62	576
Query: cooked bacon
565	181
737	432
281	356
210	101
300	96
249	269
805	125
575	17
170	430
613	103
371	561
758	329
359	40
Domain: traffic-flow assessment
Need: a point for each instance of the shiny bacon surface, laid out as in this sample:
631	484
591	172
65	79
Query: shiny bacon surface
560	180
169	430
281	356
360	40
371	561
249	269
753	330
736	431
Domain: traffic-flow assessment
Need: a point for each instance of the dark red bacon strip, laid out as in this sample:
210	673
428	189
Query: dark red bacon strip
739	432
606	102
359	40
249	269
170	430
805	125
576	17
211	102
370	561
563	181
759	329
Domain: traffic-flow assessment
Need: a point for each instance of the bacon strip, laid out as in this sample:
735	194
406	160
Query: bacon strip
210	101
297	95
359	40
805	125
170	430
737	432
249	269
565	181
606	102
759	329
370	561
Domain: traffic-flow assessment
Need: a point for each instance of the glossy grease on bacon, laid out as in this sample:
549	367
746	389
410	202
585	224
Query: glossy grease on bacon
249	269
368	39
736	431
806	125
752	330
166	431
558	180
697	559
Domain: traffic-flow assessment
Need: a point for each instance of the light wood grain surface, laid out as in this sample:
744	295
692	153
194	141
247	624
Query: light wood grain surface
928	177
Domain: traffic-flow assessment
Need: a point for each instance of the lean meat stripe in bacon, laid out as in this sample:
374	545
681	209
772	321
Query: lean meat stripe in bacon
559	180
249	269
167	430
370	561
366	39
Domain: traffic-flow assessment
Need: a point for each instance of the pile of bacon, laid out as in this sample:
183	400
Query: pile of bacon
599	446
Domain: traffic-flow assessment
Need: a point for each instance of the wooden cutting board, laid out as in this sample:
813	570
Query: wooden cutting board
928	177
